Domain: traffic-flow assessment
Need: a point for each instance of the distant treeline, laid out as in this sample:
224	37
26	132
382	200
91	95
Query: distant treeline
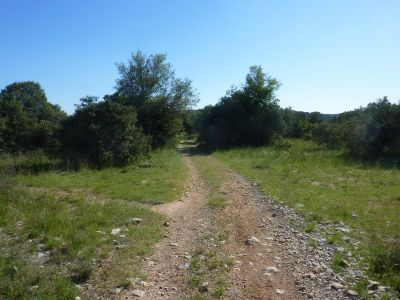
146	111
251	116
151	106
370	132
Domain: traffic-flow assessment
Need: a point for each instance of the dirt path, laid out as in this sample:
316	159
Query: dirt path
186	220
271	256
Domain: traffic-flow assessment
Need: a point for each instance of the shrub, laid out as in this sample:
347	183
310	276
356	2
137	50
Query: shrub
103	134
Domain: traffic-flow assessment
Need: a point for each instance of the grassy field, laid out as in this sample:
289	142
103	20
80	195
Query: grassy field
322	185
155	181
57	233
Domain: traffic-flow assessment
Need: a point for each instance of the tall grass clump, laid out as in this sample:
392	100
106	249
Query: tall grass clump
385	261
29	162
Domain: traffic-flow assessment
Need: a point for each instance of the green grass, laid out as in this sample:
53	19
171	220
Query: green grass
75	228
158	180
322	185
209	265
310	227
212	172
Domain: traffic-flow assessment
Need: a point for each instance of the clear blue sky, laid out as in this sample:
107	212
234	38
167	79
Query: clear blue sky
330	56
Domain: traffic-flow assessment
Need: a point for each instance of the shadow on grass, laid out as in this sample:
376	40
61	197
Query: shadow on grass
388	161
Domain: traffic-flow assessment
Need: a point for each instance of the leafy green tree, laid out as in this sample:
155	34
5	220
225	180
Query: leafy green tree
29	120
161	100
144	77
245	116
102	134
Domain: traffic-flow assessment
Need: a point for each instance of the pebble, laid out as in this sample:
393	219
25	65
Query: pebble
183	267
138	293
270	271
336	286
203	287
116	231
252	241
351	293
373	285
135	221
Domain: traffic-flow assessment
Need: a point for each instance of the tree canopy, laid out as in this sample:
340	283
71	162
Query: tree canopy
148	84
28	120
245	116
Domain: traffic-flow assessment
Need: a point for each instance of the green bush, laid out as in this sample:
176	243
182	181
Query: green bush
103	134
368	133
27	120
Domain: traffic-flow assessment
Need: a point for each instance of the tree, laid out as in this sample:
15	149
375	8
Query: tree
148	84
260	88
29	120
245	116
144	77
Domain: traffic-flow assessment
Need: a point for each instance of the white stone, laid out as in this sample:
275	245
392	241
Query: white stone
270	271
138	293
116	231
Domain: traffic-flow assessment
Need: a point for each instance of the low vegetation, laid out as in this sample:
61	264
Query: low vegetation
215	179
323	185
157	180
370	133
71	228
208	270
